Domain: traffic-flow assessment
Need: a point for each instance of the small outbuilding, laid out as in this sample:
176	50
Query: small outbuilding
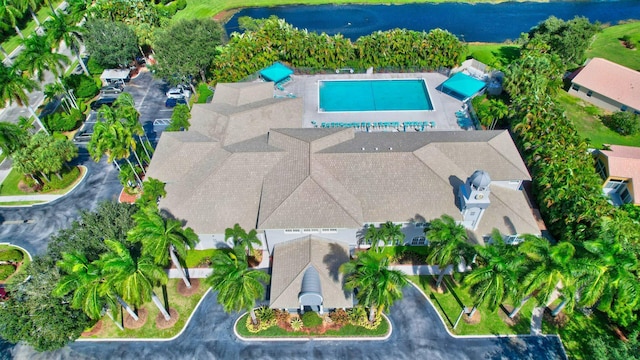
115	76
462	86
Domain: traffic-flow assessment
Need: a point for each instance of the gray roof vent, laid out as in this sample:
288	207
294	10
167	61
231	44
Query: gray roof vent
311	291
480	179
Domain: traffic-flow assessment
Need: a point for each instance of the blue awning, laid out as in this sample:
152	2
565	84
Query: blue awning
276	72
462	86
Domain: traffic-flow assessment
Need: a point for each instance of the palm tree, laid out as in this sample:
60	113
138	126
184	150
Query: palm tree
37	57
11	12
59	29
85	280
14	87
495	279
162	238
152	191
133	276
54	90
238	286
548	268
448	242
372	236
12	137
378	286
32	5
129	116
392	233
242	239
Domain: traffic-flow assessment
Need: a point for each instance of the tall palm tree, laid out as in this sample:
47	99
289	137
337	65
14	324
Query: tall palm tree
37	57
12	137
242	239
59	29
133	276
448	243
14	87
162	238
378	286
32	5
392	233
549	267
372	236
152	191
238	286
129	116
11	12
495	279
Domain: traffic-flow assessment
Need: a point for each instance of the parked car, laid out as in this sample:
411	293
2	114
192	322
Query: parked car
178	92
172	102
111	89
108	101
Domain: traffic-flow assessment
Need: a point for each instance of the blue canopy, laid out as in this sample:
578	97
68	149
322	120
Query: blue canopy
276	72
462	85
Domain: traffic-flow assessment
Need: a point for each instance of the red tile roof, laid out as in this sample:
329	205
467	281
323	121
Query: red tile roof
624	162
612	80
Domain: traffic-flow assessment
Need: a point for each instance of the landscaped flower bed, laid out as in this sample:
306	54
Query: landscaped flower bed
339	323
12	260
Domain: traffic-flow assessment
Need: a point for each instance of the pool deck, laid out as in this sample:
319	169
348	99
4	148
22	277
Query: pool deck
444	113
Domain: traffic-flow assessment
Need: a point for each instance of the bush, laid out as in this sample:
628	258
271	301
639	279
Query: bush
94	67
311	319
181	4
84	86
296	324
266	315
68	177
6	270
339	317
63	121
12	255
623	122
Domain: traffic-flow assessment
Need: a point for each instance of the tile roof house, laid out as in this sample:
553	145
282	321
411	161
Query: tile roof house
246	160
619	168
607	85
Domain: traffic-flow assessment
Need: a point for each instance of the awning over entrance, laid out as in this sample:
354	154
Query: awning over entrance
462	86
276	72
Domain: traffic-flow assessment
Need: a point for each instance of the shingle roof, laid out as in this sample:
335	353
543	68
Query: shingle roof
611	80
624	162
290	261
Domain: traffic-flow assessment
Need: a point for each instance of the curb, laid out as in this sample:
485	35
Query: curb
19	247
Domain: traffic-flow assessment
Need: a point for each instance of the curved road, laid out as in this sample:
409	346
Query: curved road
418	334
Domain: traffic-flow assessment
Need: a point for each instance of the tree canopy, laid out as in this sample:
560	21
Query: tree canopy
111	44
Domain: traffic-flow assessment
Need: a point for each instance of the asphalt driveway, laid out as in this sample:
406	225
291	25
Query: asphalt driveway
418	333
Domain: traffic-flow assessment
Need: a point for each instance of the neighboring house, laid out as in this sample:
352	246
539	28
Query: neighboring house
607	85
619	167
246	160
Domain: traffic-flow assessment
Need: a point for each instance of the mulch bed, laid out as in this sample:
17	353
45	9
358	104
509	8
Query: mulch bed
94	330
504	315
129	323
317	330
161	323
127	198
475	319
185	291
559	320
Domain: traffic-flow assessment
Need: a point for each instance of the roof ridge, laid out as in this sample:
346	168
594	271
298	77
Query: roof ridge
506	133
334	199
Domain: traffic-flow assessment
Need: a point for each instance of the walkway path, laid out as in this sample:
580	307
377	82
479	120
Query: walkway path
418	333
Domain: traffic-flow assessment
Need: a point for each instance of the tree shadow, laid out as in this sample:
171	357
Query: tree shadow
334	259
446	316
508	53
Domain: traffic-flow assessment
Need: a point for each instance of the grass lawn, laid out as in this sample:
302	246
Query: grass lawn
346	331
20	203
12	42
197	258
9	186
495	55
16	277
579	331
209	8
449	306
203	93
608	46
586	118
184	305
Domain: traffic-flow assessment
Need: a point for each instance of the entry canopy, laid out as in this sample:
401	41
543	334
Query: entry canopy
276	72
462	86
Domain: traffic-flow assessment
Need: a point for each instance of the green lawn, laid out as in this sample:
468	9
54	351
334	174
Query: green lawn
70	177
12	42
586	118
184	306
494	55
197	258
608	46
450	303
10	184
19	275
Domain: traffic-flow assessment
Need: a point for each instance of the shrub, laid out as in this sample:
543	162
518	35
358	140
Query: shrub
6	270
12	255
181	4
63	121
296	324
266	315
94	67
339	317
311	319
68	177
84	86
623	122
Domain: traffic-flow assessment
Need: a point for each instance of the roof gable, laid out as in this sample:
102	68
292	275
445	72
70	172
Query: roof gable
612	80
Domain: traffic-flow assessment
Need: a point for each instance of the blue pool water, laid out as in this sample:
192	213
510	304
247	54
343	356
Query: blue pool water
373	95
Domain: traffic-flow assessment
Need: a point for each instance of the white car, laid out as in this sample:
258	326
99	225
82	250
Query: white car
178	92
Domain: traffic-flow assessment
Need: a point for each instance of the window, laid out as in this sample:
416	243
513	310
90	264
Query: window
513	240
329	231
419	240
623	108
575	87
421	225
310	231
601	169
589	93
292	231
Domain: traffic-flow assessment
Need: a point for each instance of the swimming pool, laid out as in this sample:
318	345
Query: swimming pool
373	95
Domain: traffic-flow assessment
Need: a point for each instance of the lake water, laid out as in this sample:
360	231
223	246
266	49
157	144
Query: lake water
480	22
